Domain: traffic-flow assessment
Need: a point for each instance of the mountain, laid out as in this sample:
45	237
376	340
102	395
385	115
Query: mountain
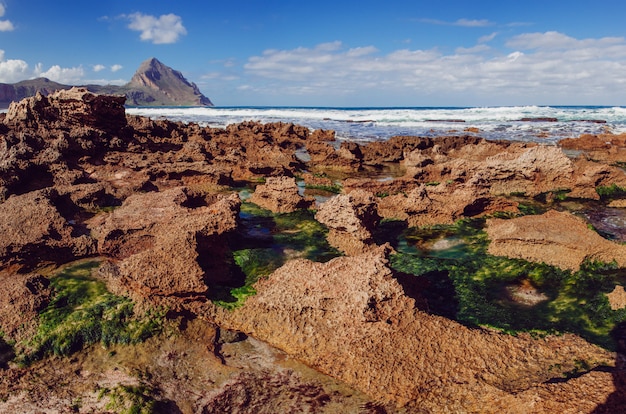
154	84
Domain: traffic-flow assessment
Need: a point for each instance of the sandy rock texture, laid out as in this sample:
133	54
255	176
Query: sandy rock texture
557	238
35	231
167	243
351	219
351	319
156	202
280	195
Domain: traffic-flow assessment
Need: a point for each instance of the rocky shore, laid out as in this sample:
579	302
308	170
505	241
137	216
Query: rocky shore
158	266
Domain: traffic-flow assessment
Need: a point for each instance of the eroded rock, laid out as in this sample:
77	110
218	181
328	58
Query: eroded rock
557	238
22	297
167	249
35	231
280	195
351	218
350	318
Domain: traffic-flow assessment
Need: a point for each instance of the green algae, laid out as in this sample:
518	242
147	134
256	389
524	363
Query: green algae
610	192
268	242
82	312
478	289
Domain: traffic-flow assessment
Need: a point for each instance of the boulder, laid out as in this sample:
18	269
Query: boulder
76	108
280	195
351	218
531	171
556	238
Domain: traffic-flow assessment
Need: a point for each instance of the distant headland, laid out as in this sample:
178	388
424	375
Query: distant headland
153	84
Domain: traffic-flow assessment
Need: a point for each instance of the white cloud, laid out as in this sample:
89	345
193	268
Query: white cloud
472	23
62	75
487	38
12	70
162	30
98	68
459	22
537	68
115	68
5	25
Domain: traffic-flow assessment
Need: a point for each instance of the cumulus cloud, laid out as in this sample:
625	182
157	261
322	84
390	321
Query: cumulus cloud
159	30
5	25
12	70
15	70
98	68
115	68
62	75
549	67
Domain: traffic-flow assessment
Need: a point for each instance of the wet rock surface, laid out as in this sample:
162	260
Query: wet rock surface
157	204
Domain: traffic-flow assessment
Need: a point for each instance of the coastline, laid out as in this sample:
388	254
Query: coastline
523	123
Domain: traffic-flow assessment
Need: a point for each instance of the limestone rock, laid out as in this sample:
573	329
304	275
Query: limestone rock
22	296
557	238
76	107
442	203
280	195
35	231
617	298
351	319
170	244
351	218
533	171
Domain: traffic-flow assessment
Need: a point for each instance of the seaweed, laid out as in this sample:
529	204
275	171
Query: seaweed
82	312
475	288
286	236
611	192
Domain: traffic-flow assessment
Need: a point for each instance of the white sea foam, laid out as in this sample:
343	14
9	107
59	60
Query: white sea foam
383	123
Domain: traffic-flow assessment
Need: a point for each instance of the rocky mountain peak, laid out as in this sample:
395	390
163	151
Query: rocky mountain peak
154	84
155	81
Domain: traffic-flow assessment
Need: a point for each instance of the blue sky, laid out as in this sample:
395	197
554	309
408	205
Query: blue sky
332	53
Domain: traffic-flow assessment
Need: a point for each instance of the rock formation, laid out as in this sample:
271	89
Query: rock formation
35	231
350	318
351	219
157	204
166	249
556	238
280	195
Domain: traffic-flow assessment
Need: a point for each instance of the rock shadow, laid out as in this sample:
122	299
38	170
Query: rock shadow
616	402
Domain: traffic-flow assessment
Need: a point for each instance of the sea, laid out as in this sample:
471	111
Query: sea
519	123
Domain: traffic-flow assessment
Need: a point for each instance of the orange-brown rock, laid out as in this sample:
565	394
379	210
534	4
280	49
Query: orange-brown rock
557	238
35	231
441	203
171	244
280	195
326	156
351	218
74	108
22	297
350	318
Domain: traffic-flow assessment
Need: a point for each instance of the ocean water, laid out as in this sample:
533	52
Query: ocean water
367	124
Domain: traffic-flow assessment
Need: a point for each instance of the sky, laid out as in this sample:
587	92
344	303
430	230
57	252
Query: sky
332	53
